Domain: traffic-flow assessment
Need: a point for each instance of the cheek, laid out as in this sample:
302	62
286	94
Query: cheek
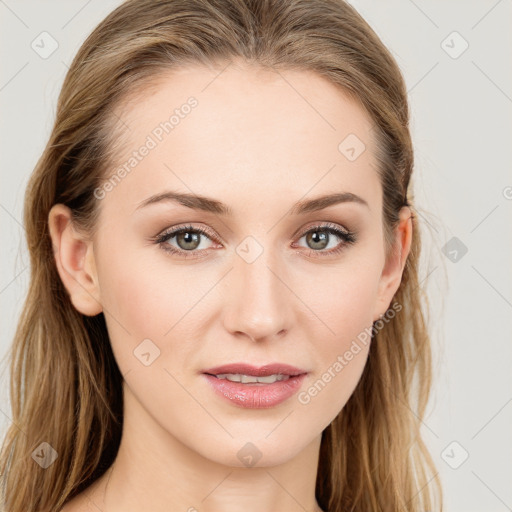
147	298
346	302
346	311
138	288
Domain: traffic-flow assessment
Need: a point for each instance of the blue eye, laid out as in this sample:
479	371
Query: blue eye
188	240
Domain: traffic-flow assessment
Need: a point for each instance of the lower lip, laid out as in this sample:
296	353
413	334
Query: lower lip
256	395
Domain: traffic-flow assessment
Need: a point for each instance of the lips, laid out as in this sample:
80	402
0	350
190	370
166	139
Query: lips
261	371
255	395
248	394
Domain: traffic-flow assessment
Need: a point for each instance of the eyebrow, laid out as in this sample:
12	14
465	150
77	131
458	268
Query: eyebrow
207	204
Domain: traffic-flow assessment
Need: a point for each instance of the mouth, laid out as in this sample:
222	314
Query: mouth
254	387
250	379
246	373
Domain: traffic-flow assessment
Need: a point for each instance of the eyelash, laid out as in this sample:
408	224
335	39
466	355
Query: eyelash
347	238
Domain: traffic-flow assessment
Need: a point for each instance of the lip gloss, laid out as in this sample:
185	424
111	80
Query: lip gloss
255	395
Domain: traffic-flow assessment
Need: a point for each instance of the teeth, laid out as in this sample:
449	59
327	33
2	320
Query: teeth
246	379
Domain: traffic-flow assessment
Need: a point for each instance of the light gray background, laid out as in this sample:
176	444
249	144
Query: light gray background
462	128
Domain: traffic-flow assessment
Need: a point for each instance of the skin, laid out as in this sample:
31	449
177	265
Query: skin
258	141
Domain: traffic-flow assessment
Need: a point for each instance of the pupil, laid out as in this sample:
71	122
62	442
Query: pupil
318	237
190	238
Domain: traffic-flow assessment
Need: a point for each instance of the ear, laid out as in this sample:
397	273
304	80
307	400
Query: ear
74	258
393	269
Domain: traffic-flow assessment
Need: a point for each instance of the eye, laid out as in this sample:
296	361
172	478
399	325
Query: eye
187	238
189	244
321	237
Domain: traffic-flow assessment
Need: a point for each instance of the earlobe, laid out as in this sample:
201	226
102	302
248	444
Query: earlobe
74	259
391	276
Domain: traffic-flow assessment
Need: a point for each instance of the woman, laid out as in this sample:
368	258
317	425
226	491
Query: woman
224	310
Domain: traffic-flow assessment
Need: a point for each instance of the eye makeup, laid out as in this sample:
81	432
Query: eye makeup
346	238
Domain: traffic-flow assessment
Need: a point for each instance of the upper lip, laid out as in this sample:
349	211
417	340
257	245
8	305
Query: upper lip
262	371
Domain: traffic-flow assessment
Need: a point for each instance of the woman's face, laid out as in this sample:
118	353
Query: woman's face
259	276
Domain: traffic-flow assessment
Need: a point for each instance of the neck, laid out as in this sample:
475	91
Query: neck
156	471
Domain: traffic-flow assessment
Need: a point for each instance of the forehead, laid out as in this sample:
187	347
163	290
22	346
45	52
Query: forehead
241	132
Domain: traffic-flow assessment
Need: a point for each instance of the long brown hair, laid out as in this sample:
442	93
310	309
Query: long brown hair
65	384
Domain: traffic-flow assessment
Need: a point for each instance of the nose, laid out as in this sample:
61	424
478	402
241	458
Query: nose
258	301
